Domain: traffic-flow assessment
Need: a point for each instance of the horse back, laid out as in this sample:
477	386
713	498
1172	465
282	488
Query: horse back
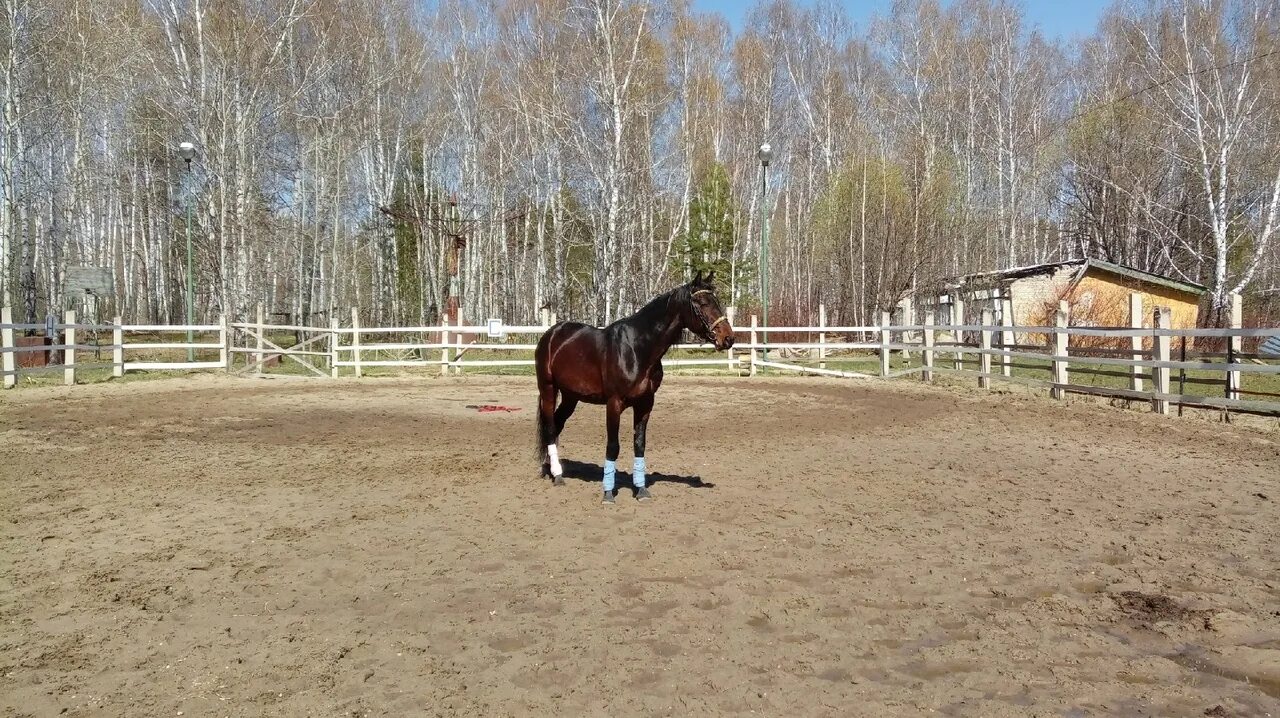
571	356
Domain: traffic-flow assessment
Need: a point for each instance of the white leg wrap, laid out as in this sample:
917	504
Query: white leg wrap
553	457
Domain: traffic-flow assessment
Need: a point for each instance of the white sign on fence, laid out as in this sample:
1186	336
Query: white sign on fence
495	328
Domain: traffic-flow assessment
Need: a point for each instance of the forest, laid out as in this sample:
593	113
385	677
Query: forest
583	155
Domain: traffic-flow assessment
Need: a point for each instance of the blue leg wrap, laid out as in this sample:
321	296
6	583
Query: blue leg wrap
638	472
610	474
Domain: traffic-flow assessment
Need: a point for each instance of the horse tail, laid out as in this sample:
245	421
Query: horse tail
545	423
543	431
540	430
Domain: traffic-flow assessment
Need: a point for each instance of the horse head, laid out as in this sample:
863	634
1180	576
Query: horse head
704	316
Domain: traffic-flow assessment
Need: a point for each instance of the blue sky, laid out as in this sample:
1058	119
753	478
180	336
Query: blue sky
1064	19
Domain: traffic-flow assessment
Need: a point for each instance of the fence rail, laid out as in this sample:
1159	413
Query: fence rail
987	352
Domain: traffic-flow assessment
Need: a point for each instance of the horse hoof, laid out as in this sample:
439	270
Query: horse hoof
643	495
557	480
608	499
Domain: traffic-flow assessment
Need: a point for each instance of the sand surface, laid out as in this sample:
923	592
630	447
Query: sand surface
217	546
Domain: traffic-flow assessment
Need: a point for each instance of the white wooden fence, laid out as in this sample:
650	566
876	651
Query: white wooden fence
986	351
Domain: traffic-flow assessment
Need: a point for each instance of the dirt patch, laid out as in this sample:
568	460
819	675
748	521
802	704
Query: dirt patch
306	547
1146	610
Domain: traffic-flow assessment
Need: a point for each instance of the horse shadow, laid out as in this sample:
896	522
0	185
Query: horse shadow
594	473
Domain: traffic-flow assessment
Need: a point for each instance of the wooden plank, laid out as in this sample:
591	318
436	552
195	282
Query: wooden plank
1150	363
391	362
1118	332
163	366
444	345
1060	361
69	353
8	361
822	337
333	346
1006	334
1234	346
928	348
1161	319
279	327
957	326
814	370
259	330
173	345
165	328
289	353
224	342
355	341
731	312
281	352
457	338
117	352
984	380
885	321
1135	342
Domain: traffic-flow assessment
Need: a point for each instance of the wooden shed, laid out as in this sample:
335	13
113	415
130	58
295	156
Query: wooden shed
1096	290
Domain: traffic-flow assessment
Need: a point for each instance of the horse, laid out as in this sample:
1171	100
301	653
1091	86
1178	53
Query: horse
619	366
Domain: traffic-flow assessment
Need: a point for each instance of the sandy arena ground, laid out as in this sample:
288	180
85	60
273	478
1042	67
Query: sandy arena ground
216	546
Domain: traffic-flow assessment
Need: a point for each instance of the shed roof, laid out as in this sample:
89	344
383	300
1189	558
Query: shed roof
1084	265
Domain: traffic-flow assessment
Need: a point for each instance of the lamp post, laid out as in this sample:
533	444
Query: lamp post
187	152
765	154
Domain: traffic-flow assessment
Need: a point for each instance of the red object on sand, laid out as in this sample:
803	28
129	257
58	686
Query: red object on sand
484	408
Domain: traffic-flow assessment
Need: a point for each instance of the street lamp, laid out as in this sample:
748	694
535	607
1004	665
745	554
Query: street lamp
765	154
187	152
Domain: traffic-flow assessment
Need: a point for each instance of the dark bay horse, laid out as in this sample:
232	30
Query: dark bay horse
619	366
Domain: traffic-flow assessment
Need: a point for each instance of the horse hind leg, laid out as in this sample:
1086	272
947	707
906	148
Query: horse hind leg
567	404
547	432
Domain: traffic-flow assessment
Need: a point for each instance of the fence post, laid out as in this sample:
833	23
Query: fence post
262	330
957	336
984	360
928	347
117	348
885	320
224	337
1235	345
1161	319
1007	340
544	316
908	307
444	344
333	346
822	336
355	340
731	312
69	353
457	343
1060	379
7	344
1135	343
753	345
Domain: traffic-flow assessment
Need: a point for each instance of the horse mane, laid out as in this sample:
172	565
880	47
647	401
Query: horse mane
658	306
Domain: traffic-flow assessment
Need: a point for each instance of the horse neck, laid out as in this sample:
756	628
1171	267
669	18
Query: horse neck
661	321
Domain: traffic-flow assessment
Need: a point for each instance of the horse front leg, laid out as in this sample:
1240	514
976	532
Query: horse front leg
641	408
613	415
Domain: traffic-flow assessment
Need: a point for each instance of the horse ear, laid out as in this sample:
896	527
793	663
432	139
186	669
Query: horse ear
711	277
697	278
